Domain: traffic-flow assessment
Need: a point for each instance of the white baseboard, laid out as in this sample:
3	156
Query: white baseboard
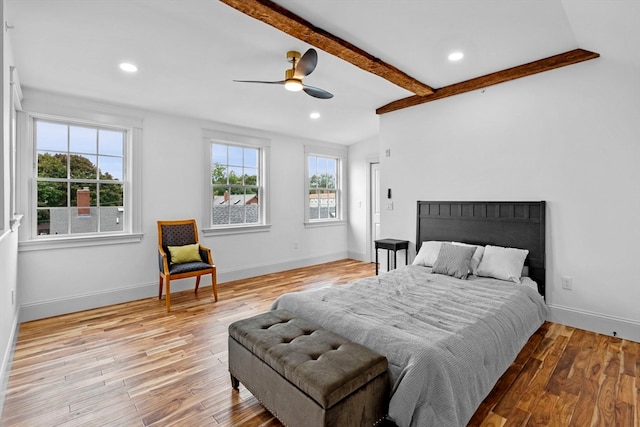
601	323
358	256
72	304
7	359
75	303
259	270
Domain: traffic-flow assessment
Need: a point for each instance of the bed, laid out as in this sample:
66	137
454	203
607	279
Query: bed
447	339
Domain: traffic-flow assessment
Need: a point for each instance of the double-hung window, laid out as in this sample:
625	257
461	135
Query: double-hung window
324	201
237	178
80	181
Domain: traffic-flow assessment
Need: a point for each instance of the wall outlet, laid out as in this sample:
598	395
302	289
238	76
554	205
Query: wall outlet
567	282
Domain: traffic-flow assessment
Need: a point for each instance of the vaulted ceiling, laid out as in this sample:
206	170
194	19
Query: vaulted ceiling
189	52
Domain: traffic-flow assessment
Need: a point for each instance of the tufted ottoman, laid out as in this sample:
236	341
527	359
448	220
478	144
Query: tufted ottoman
305	375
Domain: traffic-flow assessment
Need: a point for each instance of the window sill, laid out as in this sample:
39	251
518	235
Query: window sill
78	241
236	230
331	223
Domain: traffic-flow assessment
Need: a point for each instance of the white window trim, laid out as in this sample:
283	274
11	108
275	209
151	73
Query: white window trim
15	105
210	136
339	153
29	241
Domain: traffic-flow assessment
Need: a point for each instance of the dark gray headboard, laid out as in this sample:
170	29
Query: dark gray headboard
508	224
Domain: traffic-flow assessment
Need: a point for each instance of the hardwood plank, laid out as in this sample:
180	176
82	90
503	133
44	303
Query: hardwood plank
605	413
518	387
133	364
541	413
624	414
517	418
596	364
563	410
493	420
583	412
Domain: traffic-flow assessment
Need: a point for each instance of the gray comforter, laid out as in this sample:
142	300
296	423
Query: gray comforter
447	340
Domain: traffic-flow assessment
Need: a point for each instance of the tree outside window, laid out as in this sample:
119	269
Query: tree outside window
80	178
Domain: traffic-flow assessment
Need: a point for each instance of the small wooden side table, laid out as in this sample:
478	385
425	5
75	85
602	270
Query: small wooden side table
392	245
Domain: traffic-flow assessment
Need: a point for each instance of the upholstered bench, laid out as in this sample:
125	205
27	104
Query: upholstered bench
305	375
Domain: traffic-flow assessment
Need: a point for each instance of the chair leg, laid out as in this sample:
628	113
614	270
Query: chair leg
214	285
168	295
197	283
160	287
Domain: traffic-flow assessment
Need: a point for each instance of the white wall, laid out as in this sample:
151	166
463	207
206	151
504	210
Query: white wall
569	136
8	238
361	155
173	183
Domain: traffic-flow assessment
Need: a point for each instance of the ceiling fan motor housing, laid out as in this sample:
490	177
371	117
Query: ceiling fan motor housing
293	56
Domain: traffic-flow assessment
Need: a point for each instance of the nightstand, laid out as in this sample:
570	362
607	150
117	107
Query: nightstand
392	245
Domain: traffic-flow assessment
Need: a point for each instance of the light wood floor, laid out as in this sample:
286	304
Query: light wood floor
133	364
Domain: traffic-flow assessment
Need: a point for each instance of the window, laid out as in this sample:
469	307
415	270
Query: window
236	185
80	180
324	192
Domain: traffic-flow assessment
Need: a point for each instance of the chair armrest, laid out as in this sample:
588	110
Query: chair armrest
163	260
205	254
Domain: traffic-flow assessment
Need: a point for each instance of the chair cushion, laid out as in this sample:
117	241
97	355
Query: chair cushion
185	253
188	267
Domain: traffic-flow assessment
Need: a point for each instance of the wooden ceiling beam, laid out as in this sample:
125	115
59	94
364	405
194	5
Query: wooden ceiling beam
535	67
290	23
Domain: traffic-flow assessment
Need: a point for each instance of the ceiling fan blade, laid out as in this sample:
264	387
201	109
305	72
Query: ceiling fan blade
281	82
306	64
317	92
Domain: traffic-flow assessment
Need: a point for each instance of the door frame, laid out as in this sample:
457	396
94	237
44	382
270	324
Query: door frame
369	226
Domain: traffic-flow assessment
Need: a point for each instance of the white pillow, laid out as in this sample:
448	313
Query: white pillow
428	253
477	256
502	263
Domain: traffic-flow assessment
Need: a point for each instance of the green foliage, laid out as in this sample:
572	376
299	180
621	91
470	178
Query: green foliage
81	167
54	193
325	180
219	176
52	166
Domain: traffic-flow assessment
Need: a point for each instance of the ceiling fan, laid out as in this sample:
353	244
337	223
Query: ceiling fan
300	68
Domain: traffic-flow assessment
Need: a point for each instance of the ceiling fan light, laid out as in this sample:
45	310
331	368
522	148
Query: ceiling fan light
294	85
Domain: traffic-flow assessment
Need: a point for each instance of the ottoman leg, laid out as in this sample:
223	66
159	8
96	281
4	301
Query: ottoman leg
234	383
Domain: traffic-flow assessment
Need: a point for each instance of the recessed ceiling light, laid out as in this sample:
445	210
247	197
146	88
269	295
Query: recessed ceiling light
314	115
456	56
128	67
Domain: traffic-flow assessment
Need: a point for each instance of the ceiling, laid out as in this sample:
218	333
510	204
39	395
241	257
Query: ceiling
188	53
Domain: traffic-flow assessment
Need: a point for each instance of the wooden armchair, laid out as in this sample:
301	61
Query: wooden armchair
180	256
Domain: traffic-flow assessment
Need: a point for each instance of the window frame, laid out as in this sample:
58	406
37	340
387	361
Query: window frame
15	105
263	146
340	155
30	240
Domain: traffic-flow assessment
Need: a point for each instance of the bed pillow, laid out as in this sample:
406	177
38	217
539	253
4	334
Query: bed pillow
428	253
502	263
454	260
477	256
186	253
